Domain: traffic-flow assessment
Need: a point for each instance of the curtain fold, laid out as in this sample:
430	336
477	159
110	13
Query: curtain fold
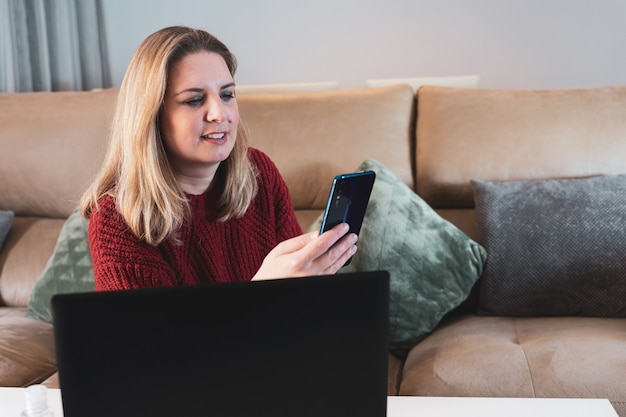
52	45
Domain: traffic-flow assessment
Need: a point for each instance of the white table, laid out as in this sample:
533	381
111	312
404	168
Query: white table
497	407
12	403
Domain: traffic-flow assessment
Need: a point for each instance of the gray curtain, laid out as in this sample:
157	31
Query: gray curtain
52	45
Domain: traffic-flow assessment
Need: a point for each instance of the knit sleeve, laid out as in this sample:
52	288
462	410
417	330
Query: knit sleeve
287	225
120	260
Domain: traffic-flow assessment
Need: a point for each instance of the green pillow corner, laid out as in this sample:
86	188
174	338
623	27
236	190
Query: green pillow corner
6	221
68	270
433	265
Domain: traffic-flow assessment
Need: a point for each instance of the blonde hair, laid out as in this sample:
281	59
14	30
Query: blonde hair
136	169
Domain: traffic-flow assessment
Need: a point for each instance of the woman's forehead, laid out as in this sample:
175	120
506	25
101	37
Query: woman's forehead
199	70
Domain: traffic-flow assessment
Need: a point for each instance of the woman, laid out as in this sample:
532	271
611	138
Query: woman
181	199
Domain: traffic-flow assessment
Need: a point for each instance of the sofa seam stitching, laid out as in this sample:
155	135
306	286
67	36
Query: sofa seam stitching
399	378
530	373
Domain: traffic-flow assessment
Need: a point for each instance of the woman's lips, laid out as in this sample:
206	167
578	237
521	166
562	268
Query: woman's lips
213	136
217	138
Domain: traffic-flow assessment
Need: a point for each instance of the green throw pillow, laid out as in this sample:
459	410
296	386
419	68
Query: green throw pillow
6	220
433	265
69	269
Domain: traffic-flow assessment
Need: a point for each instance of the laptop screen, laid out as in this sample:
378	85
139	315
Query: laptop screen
314	346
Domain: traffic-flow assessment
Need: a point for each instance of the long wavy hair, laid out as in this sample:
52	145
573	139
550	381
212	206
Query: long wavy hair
136	169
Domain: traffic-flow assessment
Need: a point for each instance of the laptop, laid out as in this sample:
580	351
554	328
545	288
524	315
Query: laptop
314	346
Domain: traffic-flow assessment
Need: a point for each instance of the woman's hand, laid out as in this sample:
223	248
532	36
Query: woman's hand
309	254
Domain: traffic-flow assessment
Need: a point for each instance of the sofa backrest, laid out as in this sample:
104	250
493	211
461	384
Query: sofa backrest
500	135
314	136
51	145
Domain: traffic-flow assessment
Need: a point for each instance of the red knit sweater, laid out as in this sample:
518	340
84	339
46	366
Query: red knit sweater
209	251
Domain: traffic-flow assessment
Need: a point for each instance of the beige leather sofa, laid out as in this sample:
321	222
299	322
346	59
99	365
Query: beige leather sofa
51	144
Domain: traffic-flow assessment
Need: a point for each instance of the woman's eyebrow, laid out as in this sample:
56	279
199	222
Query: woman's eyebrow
201	90
189	90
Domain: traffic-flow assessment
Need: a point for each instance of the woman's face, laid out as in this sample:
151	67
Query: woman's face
200	115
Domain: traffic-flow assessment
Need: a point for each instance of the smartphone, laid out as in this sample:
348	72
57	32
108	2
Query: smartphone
347	201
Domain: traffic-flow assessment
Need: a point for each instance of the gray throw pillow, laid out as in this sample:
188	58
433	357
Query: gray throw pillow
6	220
555	247
69	269
433	265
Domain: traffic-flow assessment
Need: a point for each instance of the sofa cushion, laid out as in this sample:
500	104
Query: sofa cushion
27	249
52	144
555	247
68	270
558	357
26	349
313	135
6	220
515	135
433	265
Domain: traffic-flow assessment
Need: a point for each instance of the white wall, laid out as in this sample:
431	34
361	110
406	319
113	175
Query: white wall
509	43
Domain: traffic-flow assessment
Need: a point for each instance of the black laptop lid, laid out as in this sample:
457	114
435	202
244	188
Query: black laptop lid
313	346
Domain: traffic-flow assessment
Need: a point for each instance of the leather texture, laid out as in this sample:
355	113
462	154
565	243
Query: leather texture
26	251
333	132
505	135
561	357
27	353
52	144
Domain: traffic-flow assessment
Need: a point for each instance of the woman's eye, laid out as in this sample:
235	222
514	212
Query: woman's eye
227	96
196	101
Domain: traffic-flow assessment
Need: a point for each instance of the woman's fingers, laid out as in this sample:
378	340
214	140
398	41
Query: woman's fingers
295	244
310	254
311	246
340	257
327	244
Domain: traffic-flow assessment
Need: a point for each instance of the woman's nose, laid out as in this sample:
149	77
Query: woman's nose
215	111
